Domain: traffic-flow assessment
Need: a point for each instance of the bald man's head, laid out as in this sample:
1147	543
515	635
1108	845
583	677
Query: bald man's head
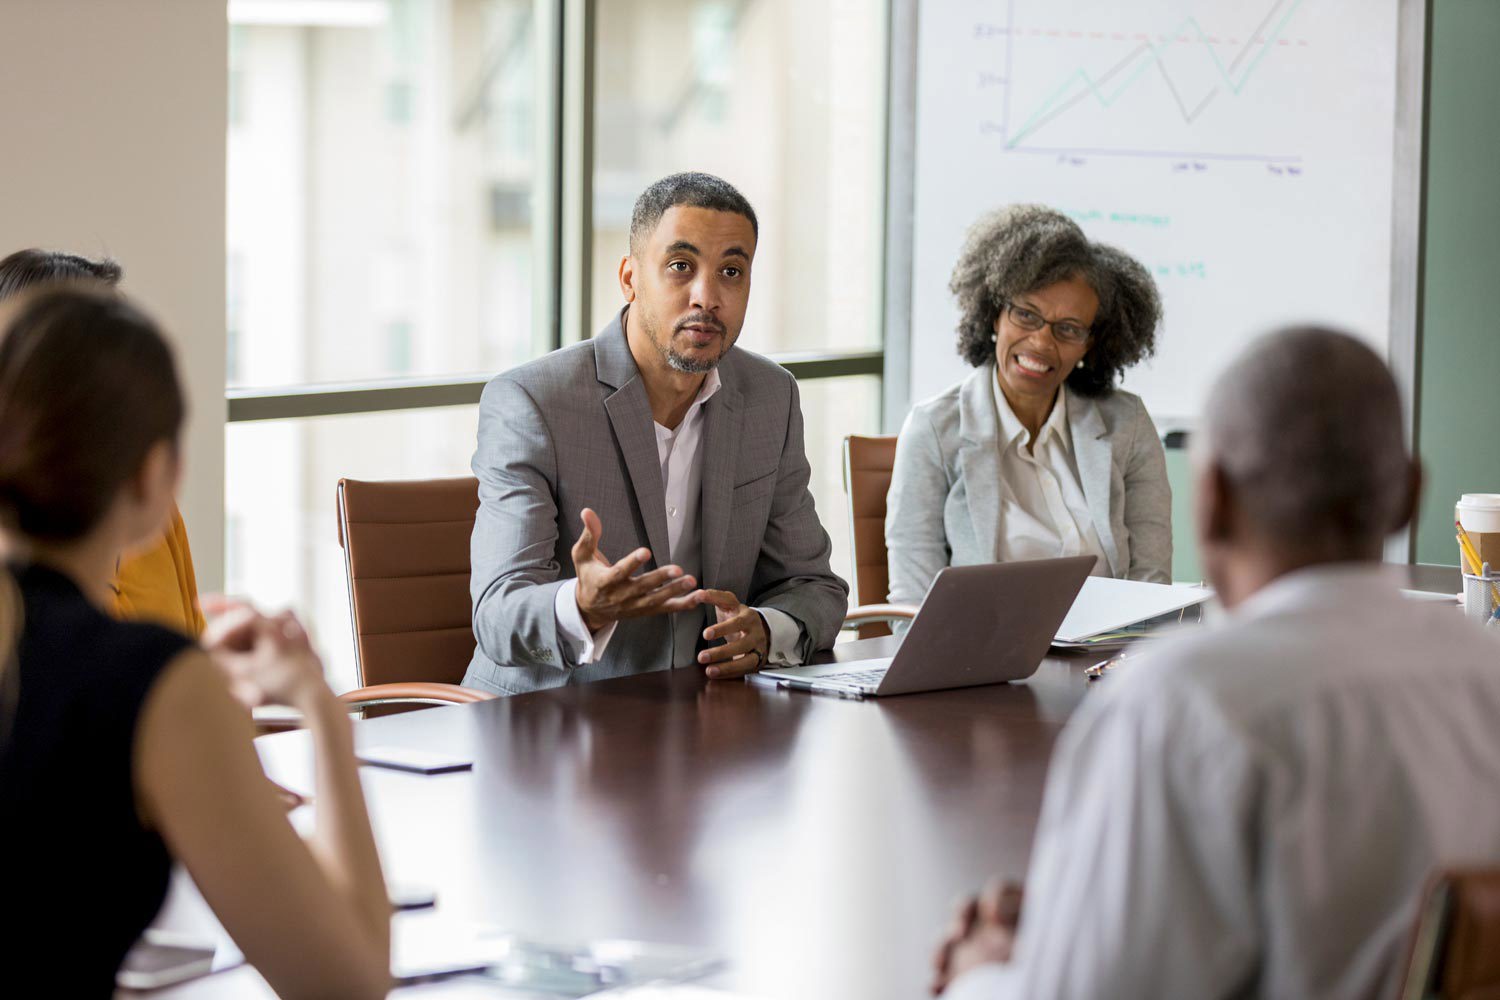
1305	430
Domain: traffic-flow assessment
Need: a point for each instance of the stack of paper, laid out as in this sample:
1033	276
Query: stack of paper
1107	605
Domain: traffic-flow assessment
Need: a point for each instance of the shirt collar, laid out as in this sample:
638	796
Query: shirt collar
1345	585
711	385
1012	431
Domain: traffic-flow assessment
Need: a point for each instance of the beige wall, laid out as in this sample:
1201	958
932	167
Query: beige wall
112	131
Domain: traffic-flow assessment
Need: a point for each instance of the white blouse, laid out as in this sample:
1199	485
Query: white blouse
1043	510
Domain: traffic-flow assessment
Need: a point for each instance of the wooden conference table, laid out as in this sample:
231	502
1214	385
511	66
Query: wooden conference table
816	844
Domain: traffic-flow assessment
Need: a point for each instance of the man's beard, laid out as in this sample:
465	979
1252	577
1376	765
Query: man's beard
689	365
681	362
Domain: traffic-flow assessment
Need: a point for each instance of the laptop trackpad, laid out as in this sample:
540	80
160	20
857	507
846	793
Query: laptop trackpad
823	670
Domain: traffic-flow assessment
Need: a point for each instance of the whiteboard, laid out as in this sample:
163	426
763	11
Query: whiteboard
1243	150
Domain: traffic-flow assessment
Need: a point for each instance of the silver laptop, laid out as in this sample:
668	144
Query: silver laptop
977	625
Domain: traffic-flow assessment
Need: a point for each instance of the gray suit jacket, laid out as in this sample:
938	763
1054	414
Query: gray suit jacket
574	430
944	505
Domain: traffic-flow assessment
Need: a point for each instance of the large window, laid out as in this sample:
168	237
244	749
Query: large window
781	97
380	189
425	192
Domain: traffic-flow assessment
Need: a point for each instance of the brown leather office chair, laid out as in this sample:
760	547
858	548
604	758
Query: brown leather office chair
1455	953
867	479
406	557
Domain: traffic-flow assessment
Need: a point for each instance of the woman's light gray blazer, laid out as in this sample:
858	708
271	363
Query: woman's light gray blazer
944	505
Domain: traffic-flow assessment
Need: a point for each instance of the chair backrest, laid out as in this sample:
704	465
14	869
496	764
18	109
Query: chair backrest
406	556
867	479
1455	952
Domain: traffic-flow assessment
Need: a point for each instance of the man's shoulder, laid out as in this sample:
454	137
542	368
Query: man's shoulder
1232	672
1185	666
563	370
1234	652
1263	669
561	378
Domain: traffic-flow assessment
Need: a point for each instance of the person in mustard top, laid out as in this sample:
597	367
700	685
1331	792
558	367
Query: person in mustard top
155	584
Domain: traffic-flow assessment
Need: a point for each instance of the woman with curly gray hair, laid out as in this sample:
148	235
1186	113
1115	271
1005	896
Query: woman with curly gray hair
1036	454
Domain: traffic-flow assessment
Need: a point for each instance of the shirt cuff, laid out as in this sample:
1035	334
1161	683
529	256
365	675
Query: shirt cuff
585	646
785	637
991	981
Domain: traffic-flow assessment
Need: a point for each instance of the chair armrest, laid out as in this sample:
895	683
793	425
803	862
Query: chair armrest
278	719
868	614
413	693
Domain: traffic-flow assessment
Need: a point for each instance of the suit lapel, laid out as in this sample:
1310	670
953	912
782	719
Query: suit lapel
979	457
630	415
1092	451
720	447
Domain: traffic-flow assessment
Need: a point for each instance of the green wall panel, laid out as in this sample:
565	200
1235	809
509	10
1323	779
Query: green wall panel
1459	427
1185	568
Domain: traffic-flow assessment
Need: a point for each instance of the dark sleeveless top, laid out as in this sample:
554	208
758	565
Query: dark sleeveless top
82	877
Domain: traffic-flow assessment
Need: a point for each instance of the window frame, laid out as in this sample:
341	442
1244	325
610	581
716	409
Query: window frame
562	239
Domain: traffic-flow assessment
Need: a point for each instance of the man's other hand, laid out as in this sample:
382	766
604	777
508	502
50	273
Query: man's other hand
982	932
747	643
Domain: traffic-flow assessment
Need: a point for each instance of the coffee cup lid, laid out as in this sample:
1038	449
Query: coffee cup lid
1480	501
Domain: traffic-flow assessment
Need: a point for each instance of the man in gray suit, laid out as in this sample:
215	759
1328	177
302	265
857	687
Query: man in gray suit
661	444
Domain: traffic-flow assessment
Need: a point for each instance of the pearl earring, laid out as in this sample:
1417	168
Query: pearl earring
994	338
1080	363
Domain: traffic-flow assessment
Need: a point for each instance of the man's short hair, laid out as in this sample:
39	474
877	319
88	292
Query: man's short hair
1307	427
692	189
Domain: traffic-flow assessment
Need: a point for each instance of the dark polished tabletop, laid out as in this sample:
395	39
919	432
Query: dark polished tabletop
815	843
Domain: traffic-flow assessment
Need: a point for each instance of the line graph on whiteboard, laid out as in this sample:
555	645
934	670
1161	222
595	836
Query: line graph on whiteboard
1211	81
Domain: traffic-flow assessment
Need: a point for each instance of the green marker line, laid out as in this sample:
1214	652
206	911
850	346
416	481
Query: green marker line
1155	54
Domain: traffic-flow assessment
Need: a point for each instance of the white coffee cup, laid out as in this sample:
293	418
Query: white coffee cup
1479	512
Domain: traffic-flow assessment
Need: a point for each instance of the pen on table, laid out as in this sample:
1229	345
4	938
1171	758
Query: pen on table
815	688
1099	669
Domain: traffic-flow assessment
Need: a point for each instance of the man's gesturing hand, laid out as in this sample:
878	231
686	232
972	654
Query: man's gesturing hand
609	591
747	644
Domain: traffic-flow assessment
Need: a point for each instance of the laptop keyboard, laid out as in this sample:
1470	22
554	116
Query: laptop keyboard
858	678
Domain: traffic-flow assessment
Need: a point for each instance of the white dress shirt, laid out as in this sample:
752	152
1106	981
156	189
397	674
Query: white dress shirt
680	453
1253	810
1044	512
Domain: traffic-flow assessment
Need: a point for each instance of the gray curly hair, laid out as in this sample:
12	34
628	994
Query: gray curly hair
1021	248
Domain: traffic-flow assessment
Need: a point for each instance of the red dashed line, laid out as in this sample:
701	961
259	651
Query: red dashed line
1141	36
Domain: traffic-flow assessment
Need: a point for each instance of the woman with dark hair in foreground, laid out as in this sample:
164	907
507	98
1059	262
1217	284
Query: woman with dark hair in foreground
123	745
